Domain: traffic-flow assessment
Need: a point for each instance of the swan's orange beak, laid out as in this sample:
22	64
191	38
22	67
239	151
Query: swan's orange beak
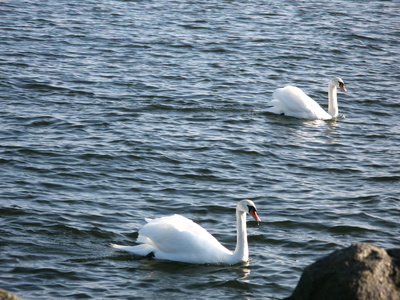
341	85
253	213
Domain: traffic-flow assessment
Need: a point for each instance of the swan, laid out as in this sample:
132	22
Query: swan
177	238
292	101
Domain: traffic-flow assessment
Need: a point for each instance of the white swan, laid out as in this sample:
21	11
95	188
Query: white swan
177	238
292	101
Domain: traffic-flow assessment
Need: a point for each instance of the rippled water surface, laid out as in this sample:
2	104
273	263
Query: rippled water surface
114	111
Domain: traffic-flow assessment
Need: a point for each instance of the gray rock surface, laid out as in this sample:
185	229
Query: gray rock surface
358	272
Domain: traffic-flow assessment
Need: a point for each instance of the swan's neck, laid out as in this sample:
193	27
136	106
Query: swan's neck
333	109
242	249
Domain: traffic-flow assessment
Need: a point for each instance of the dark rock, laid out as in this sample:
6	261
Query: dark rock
359	272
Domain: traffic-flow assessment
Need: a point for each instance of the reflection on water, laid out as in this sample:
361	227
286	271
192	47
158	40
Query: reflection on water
331	131
243	273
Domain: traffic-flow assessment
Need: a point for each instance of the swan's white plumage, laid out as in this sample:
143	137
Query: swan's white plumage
292	101
180	239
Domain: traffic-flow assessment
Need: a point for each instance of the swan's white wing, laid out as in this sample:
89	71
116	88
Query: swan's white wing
292	101
180	239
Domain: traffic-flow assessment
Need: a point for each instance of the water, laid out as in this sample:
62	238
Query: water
114	111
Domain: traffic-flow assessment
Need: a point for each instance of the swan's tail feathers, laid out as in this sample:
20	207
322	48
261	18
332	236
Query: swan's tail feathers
117	246
141	250
275	106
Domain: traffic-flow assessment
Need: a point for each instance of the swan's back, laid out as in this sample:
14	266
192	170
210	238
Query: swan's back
292	101
178	238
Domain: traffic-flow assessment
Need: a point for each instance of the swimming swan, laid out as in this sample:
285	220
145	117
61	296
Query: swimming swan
292	101
177	238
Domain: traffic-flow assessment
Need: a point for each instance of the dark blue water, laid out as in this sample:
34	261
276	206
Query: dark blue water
115	111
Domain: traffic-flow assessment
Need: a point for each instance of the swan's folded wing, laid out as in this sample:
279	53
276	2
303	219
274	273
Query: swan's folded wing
177	234
292	101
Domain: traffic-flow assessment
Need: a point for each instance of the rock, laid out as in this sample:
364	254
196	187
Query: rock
6	295
359	272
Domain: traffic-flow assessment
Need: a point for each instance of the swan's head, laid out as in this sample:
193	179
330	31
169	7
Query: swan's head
248	207
338	82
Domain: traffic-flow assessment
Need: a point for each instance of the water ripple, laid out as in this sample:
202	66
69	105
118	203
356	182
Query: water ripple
116	111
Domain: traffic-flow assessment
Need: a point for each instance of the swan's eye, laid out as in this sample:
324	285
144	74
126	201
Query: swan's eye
251	208
341	84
